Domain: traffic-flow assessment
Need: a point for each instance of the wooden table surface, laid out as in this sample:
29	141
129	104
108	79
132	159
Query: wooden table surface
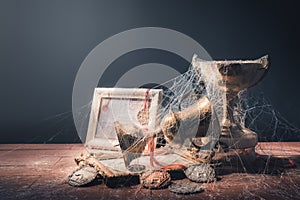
40	171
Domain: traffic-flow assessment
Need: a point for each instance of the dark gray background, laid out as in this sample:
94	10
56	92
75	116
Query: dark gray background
43	43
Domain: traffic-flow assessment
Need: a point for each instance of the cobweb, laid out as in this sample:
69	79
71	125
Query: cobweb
257	113
186	90
267	171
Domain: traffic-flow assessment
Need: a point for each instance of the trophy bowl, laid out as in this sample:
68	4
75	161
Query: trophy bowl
228	78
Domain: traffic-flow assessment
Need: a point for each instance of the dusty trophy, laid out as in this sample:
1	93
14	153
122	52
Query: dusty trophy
228	78
199	112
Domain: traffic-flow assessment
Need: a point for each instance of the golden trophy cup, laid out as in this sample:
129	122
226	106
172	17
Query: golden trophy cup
227	79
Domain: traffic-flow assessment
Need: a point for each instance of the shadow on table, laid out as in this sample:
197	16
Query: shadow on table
253	163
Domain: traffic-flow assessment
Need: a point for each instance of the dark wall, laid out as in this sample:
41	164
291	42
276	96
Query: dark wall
43	43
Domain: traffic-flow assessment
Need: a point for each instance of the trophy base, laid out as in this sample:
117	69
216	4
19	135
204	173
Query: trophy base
238	138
